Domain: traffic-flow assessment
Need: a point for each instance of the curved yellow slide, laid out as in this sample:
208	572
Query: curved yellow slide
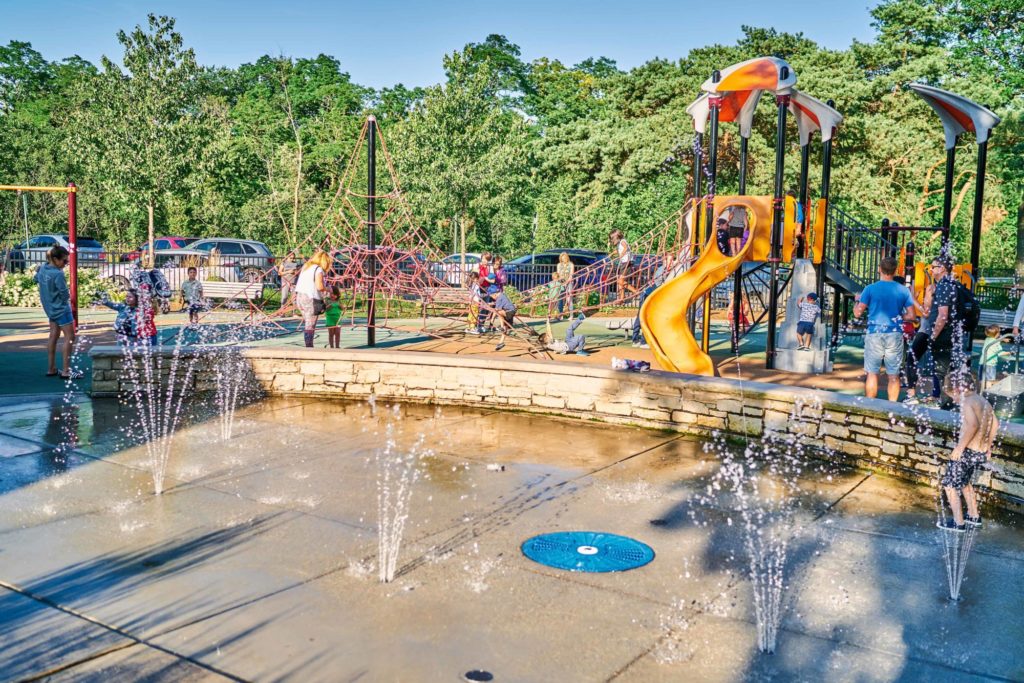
663	315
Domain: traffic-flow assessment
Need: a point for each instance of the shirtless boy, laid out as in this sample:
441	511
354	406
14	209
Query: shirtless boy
978	428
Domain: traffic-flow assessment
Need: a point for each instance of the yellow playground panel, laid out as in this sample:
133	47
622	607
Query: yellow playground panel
923	277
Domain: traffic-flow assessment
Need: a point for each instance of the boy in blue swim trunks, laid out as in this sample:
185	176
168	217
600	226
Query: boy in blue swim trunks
978	429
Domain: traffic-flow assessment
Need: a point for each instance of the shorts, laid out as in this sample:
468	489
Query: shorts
804	328
959	473
507	316
65	318
990	372
621	269
884	347
736	232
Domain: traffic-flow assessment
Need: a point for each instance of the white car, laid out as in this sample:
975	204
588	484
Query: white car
450	268
33	252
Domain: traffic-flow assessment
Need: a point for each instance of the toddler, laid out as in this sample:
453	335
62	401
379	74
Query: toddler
332	315
192	296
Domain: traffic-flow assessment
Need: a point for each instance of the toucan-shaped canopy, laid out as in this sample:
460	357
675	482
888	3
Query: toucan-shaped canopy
760	73
812	114
958	114
736	106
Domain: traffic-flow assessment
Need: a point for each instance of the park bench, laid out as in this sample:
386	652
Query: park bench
450	302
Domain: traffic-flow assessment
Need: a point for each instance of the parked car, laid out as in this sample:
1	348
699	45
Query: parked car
33	252
533	270
174	263
450	268
160	244
254	258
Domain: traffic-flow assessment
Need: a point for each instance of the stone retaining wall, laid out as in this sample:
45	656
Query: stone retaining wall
870	433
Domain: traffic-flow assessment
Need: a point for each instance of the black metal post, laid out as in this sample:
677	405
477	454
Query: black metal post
947	196
782	103
371	225
837	297
826	188
979	204
715	105
908	265
737	284
805	160
698	174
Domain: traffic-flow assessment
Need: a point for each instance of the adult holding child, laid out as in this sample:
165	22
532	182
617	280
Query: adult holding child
56	300
310	291
887	304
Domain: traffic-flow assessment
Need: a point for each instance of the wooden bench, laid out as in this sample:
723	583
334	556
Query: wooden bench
233	290
449	301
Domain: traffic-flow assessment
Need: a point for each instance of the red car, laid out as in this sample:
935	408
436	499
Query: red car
158	244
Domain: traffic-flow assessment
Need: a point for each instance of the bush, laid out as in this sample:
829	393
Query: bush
20	289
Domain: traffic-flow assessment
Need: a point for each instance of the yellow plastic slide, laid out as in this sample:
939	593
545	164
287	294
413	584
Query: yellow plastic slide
663	315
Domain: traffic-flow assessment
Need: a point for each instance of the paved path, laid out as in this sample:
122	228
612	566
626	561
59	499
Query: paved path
257	563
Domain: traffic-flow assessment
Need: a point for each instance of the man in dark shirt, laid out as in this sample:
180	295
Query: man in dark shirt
947	335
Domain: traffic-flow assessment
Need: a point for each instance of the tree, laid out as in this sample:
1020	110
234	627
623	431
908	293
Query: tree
140	131
461	154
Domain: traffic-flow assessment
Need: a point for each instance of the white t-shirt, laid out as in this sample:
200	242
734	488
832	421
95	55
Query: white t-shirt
624	256
307	282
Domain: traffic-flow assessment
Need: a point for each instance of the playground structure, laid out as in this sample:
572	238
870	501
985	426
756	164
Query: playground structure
774	237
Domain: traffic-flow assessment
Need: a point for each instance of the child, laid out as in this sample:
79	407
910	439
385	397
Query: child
991	353
482	302
630	364
126	324
332	314
471	281
556	290
809	312
573	343
623	260
978	429
506	313
192	296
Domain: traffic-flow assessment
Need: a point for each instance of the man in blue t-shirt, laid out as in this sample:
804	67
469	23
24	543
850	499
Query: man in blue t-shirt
887	305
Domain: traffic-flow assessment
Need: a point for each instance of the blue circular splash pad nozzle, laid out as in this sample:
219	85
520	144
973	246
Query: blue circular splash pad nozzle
587	551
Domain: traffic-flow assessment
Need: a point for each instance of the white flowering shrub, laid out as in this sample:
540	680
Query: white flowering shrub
21	289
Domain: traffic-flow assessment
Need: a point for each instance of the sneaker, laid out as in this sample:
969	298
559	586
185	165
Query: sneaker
500	346
642	345
911	401
950	525
581	352
472	330
973	521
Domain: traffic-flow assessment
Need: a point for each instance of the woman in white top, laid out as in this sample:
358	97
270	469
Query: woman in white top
623	263
309	292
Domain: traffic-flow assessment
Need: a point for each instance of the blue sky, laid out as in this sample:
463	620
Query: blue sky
383	43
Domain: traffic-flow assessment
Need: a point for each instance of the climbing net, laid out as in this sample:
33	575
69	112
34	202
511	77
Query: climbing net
406	279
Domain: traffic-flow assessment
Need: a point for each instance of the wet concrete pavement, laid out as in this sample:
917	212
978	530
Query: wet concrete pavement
258	562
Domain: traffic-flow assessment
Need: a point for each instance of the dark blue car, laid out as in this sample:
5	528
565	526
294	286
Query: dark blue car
533	270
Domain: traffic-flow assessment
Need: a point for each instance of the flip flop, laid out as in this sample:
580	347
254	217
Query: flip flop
74	374
52	374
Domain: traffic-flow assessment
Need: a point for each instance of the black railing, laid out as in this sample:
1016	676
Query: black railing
859	247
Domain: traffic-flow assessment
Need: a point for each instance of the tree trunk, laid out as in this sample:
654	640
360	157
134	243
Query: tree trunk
152	256
1020	239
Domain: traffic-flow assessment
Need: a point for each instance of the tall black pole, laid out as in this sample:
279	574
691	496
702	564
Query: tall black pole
371	225
715	105
947	193
698	172
782	102
979	205
805	160
826	187
737	280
